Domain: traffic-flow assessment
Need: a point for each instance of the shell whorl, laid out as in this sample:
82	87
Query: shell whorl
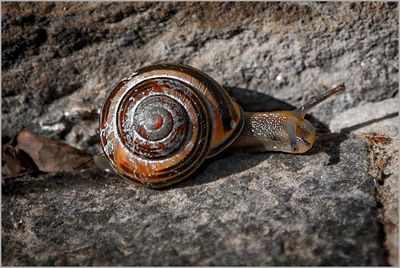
159	124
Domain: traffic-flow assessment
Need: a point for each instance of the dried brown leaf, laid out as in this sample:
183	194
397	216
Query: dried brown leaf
27	152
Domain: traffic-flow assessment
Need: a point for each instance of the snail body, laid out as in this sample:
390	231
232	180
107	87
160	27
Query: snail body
160	123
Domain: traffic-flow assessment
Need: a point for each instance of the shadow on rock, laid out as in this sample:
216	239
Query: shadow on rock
330	143
225	164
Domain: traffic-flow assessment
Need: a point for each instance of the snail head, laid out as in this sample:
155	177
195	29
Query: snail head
300	133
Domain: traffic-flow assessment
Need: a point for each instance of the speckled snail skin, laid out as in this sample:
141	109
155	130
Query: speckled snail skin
161	122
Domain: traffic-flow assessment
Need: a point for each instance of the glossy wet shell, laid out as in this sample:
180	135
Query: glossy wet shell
159	124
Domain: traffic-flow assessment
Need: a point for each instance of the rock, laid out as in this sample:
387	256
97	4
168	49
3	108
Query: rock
379	123
265	209
369	118
384	167
59	62
389	214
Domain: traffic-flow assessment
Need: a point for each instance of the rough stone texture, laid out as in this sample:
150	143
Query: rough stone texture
59	61
379	124
268	209
368	118
388	196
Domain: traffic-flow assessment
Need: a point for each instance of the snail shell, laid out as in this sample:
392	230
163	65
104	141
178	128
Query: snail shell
160	123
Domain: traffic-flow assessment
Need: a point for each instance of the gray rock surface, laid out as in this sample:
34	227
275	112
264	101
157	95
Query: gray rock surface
266	209
379	124
369	117
331	206
59	61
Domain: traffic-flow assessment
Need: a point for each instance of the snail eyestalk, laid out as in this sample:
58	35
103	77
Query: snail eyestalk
290	130
302	110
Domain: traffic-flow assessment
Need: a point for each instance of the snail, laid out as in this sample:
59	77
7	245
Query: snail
160	123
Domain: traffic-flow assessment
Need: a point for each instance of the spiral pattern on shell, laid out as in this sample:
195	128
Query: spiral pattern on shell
159	124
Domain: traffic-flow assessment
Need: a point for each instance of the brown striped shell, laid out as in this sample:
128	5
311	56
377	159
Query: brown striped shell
160	123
